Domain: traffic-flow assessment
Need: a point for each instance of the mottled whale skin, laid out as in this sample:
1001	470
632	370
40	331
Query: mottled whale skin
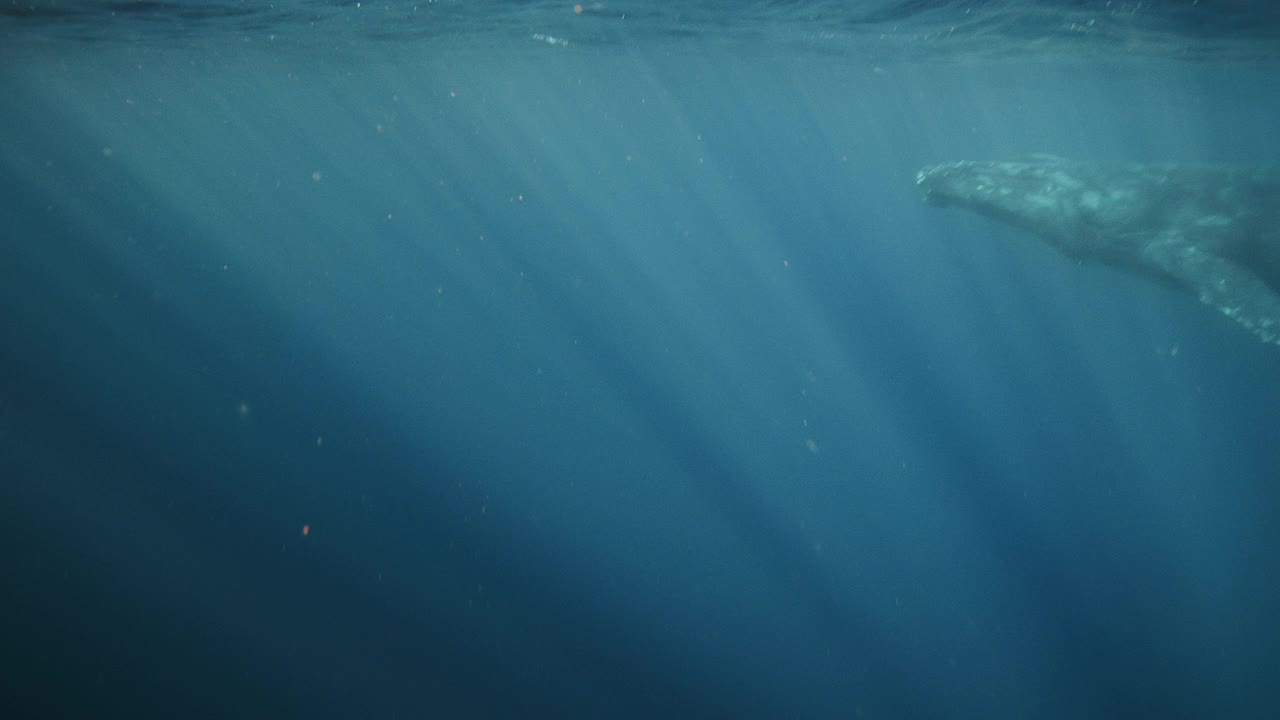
1213	230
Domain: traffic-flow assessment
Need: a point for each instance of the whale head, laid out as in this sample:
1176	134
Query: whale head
1019	189
1057	200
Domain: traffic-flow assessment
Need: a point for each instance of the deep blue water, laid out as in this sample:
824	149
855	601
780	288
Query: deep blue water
497	360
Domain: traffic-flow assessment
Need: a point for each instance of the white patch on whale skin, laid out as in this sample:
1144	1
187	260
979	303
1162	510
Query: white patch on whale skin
1039	201
1120	196
1213	221
1066	181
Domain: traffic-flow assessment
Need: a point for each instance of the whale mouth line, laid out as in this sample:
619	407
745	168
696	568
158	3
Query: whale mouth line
938	199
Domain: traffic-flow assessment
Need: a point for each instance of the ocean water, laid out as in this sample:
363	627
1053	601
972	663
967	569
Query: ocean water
524	359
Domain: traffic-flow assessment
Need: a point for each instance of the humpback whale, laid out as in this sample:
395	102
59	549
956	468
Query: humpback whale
1212	230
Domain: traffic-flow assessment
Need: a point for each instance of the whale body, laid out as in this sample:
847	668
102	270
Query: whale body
1213	230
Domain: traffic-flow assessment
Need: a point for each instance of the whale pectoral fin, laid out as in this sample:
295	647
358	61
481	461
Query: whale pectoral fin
1230	287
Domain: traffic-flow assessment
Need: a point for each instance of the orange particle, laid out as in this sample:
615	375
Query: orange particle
306	530
577	9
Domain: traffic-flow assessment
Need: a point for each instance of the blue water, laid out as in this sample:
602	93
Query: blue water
500	360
